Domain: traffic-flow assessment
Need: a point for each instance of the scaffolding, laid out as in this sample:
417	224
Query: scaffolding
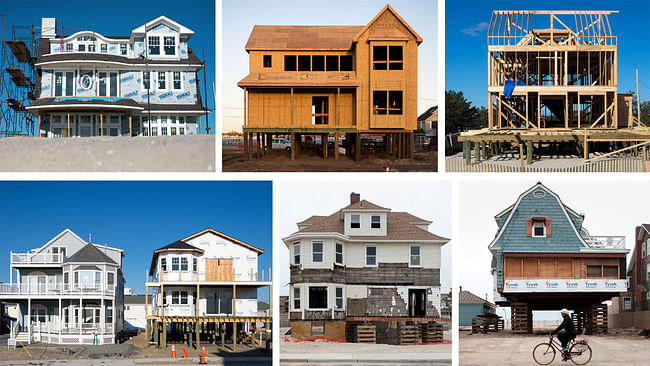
18	79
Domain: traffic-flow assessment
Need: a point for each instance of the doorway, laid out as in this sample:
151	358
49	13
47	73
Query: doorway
417	302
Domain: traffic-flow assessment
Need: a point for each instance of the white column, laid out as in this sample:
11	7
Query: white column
80	321
29	319
60	318
11	269
102	317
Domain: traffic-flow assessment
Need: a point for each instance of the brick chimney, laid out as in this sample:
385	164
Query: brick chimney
354	198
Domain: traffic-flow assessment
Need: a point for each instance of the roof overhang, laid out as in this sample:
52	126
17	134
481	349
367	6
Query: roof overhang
181	29
125	63
392	11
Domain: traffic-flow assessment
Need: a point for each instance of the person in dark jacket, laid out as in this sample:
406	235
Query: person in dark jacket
569	330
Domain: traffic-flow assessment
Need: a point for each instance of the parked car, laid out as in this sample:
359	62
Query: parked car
281	144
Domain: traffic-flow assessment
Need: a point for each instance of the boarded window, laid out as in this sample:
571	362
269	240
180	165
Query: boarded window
332	63
267	61
318	297
610	271
346	63
304	63
290	63
318	63
512	267
530	267
594	271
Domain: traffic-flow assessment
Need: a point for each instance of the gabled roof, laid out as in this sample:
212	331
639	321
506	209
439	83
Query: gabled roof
303	37
646	228
89	254
466	297
388	8
163	20
66	231
220	234
179	245
428	113
363	204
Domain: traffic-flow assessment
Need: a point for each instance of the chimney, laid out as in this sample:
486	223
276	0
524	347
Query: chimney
90	238
354	198
48	27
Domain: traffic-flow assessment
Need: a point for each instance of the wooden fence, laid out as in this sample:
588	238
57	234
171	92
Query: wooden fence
625	164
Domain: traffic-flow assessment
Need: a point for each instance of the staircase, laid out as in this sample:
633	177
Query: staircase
23	337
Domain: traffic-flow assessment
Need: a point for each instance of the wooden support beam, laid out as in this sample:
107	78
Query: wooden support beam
336	147
529	152
477	152
357	147
294	146
466	152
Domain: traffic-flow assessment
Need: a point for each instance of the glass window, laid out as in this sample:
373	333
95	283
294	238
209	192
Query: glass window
175	261
109	315
82	48
146	78
268	60
102	84
296	297
183	297
176	297
195	266
68	47
162	77
177	80
339	297
58	84
317	251
164	298
91	48
339	254
296	253
170	45
290	63
539	229
183	264
113	84
415	255
103	47
371	255
375	221
181	130
69	83
154	131
318	297
163	264
123	49
355	221
173	129
163	131
110	278
154	45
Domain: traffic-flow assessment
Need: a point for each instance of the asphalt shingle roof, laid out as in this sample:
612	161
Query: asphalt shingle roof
89	254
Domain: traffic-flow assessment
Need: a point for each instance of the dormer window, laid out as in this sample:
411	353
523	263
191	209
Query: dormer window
154	45
538	227
355	221
170	45
375	222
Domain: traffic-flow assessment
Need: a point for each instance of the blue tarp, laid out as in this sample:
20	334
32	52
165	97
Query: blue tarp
509	87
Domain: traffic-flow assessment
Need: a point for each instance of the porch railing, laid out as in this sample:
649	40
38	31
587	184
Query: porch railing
53	289
606	242
42	258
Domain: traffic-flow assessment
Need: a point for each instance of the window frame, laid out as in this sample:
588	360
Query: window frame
352	222
166	47
336	253
298	255
184	264
378	223
337	298
163	264
159	80
123	49
153	45
146	78
177	265
265	64
179	81
389	63
313	251
296	291
418	256
366	255
327	294
536	224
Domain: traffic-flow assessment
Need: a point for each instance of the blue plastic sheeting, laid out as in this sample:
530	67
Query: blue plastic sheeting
105	99
509	87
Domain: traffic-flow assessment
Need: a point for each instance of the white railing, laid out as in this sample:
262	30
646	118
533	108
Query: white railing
52	289
606	242
43	258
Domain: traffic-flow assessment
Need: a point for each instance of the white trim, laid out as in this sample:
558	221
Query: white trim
365	255
342	263
35	251
537	223
293	257
68	106
419	255
83	62
322	251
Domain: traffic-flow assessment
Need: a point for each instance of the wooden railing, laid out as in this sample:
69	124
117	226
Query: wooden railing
625	164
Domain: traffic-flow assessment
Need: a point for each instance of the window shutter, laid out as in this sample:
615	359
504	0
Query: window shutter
548	227
529	226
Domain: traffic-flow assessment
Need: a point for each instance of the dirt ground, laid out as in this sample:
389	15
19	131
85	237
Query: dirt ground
137	347
505	349
195	153
311	161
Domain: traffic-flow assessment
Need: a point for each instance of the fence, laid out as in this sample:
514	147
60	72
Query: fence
636	319
627	164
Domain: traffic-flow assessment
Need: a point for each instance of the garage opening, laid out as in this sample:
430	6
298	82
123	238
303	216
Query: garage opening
417	302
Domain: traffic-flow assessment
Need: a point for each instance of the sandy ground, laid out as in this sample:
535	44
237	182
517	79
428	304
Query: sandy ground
310	161
138	350
109	154
505	349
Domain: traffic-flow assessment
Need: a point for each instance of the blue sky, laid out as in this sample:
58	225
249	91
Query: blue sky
138	217
466	41
239	17
119	17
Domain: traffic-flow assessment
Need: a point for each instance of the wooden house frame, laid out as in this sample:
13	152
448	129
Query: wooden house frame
332	81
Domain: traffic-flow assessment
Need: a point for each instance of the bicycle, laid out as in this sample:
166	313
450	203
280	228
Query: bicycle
579	352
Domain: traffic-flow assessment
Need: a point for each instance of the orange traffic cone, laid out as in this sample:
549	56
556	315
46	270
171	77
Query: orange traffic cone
184	353
387	168
173	351
203	357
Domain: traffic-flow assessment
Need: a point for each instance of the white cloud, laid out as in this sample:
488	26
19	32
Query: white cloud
475	30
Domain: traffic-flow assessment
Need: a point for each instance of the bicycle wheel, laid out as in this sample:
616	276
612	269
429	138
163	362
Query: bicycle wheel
580	353
544	353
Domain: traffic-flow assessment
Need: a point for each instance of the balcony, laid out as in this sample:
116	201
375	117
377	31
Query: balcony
53	289
43	258
606	242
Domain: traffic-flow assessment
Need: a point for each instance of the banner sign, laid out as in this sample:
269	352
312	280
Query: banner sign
566	285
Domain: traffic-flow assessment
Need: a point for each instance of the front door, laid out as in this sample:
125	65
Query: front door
417	302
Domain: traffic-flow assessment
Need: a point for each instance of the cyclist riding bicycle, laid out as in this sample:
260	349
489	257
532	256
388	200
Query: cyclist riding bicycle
568	334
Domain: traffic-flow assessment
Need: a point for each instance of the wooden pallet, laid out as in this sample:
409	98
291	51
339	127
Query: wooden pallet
432	332
408	333
366	334
522	319
479	324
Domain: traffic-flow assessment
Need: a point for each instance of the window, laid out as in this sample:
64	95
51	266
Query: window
296	253
162	80
304	63
110	278
183	264
163	131
177	80
76	279
193	298
380	102
183	297
173	129
154	131
318	297
387	58
176	297
102	83
610	271
387	102
68	47
154	45
109	315
647	271
296	297
539	229
66	279
163	264
195	265
58	84
290	63
318	63
627	303
181	131
164	298
339	297
69	83
375	221
103	47
415	255
371	255
395	102
123	49
355	221
82	47
317	251
175	263
332	63
91	48
267	60
602	271
594	271
113	84
170	45
319	110
146	78
339	254
346	63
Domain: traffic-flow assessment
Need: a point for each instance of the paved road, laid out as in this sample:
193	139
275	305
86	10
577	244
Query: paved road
327	359
230	361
